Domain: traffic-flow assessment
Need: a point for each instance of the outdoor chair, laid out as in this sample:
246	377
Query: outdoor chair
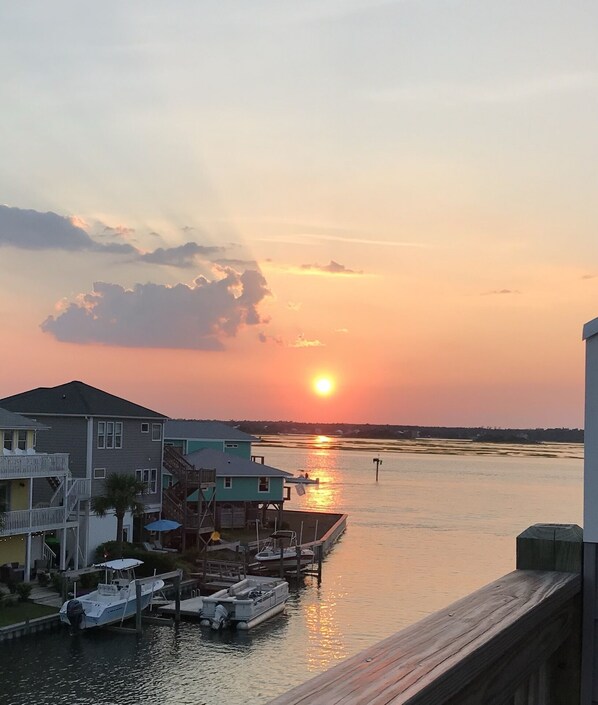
159	547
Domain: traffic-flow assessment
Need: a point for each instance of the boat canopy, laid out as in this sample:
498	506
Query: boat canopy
120	564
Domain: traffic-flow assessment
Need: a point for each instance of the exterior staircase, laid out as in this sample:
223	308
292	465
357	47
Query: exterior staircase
197	517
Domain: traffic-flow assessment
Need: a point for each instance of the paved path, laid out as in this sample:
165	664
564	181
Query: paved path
45	596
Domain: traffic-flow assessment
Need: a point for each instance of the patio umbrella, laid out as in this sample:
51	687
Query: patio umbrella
162	525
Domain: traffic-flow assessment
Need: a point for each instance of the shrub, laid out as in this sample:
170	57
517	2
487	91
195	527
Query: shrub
152	560
23	590
43	579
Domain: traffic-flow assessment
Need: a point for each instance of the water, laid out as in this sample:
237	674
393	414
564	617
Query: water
441	522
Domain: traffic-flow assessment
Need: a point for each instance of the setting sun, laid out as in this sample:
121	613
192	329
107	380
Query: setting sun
323	386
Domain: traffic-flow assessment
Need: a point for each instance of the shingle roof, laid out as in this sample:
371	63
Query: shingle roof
229	465
176	429
75	399
11	421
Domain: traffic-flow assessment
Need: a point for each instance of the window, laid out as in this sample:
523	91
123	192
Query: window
99	473
156	432
231	445
22	440
7	440
228	483
149	477
110	434
263	484
144	428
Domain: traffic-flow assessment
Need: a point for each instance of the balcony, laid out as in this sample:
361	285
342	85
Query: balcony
25	520
14	467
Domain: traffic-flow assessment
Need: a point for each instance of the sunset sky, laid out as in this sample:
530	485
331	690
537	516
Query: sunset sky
207	205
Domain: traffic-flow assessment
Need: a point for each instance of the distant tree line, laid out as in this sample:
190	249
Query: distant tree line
481	433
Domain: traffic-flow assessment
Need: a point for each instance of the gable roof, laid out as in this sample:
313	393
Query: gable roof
190	429
14	422
75	399
229	465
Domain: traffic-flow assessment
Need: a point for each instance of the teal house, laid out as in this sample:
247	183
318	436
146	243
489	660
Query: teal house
189	436
244	489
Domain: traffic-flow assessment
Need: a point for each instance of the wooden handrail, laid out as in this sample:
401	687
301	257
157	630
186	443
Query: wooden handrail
497	645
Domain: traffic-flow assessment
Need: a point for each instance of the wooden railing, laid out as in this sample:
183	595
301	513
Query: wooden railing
515	641
13	467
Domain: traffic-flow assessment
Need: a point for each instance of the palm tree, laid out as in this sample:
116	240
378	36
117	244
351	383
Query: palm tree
121	494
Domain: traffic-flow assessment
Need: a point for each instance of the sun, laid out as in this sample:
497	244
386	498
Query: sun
323	386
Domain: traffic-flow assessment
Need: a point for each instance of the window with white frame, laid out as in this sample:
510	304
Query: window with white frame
263	484
8	441
156	432
99	473
149	477
144	428
22	440
228	483
110	434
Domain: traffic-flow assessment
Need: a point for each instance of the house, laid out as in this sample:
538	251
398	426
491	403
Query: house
102	434
23	524
189	435
244	489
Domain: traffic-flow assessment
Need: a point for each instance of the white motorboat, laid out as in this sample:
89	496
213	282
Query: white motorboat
282	545
245	604
113	601
303	479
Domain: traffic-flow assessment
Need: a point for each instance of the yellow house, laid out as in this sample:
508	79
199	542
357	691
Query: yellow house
23	525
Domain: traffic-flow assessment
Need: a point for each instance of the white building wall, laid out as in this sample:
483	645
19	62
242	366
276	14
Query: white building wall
102	529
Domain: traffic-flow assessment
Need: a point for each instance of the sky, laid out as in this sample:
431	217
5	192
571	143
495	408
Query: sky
206	206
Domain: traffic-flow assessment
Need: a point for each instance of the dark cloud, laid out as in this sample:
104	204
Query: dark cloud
263	338
331	268
32	230
181	256
588	276
239	263
198	317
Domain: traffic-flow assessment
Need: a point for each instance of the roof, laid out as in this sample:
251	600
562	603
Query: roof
590	329
177	429
11	421
229	465
75	399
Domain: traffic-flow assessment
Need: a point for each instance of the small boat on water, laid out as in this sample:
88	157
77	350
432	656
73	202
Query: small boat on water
284	542
303	479
113	601
245	604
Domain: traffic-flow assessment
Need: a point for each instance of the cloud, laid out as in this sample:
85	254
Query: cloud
32	230
331	268
294	305
121	230
341	330
197	316
240	263
500	292
302	342
589	276
263	338
181	256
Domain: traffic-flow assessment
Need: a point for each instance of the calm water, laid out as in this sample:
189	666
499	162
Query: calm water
440	523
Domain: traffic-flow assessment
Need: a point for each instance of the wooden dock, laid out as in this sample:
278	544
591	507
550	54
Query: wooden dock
190	608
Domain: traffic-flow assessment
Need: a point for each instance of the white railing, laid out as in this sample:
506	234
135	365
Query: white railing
24	520
13	467
76	488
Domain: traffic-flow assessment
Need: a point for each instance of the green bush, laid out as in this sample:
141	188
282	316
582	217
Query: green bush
23	590
43	579
152	560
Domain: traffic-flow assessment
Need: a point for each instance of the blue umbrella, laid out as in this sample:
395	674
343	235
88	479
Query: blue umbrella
162	525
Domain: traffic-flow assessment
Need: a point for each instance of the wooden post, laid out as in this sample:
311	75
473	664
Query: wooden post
177	598
557	547
281	560
138	606
550	547
378	462
320	553
298	562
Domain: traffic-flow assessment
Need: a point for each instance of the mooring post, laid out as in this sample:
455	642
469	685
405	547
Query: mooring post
177	597
320	553
138	605
298	549
378	462
557	547
281	560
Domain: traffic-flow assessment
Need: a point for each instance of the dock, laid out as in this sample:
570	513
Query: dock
189	609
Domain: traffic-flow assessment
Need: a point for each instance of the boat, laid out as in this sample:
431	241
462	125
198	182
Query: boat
283	542
245	604
113	601
303	479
